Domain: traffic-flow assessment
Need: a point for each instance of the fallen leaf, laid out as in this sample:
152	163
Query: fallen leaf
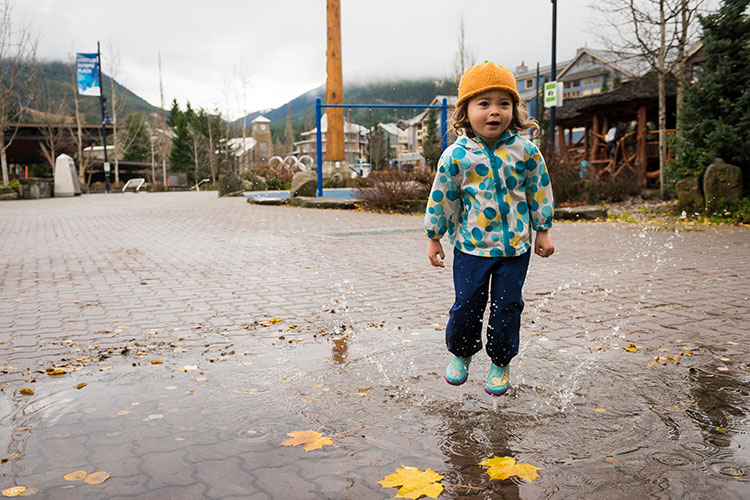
723	369
56	371
188	368
274	321
631	348
62	436
600	410
78	475
156	416
612	460
414	483
673	408
11	457
499	467
722	430
81	385
26	391
14	491
504	467
311	439
96	477
156	362
122	412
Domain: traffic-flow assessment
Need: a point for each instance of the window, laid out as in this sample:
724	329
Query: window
264	149
530	83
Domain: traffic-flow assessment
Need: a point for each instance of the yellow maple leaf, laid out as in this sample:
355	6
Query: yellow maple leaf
311	439
414	483
96	477
78	475
26	391
504	467
527	472
275	320
14	491
499	467
631	348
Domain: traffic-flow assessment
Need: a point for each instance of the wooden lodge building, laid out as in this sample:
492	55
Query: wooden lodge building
634	106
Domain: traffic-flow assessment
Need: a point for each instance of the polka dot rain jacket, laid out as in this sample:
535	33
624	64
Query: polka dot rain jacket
488	200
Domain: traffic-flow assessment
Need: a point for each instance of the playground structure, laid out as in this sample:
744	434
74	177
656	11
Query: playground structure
319	134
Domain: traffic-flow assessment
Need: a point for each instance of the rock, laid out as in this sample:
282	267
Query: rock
587	212
722	181
304	183
321	202
229	183
35	188
8	193
689	196
266	201
336	180
252	182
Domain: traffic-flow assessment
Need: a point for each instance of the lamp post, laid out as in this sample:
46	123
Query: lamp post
105	119
553	73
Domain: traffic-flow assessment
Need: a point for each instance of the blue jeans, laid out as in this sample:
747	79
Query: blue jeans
473	277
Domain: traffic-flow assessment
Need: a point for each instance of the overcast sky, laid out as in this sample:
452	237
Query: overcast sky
277	47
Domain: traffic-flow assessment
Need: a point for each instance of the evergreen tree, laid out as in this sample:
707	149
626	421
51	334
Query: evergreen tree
431	147
174	112
715	115
180	157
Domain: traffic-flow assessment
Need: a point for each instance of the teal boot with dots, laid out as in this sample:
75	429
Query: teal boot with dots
458	370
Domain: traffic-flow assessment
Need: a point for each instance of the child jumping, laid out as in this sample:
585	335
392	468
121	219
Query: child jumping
492	187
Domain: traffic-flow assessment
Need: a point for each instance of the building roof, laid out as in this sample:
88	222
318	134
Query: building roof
391	128
261	119
239	148
349	127
611	59
642	89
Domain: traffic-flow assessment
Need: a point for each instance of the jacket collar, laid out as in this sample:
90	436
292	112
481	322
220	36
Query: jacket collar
473	143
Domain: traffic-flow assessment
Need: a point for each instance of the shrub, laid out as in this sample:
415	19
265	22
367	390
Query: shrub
389	190
275	184
15	185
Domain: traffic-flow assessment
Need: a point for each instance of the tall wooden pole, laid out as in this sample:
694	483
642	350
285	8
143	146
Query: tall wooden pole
334	84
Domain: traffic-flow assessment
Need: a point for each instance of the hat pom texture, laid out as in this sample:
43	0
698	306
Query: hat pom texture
484	77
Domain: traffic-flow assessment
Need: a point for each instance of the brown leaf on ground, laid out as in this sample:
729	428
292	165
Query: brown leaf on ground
311	439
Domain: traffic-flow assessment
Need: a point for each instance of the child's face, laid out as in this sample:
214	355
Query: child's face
490	113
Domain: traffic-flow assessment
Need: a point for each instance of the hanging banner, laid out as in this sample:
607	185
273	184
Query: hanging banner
87	72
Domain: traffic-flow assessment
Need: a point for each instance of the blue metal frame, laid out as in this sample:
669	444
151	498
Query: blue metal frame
319	136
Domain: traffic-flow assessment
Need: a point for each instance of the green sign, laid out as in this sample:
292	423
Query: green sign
552	94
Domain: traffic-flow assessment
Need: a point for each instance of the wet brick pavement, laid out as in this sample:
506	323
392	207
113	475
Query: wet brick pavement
117	281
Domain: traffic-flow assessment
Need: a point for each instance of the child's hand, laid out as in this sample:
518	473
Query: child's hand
434	248
543	245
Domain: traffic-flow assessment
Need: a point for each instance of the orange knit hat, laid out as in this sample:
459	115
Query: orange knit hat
487	76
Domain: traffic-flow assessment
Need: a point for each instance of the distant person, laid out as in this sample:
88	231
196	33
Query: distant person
613	137
491	189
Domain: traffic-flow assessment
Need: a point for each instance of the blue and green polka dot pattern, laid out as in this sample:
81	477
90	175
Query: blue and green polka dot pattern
488	200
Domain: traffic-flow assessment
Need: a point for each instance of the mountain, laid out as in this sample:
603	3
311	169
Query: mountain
392	92
57	80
